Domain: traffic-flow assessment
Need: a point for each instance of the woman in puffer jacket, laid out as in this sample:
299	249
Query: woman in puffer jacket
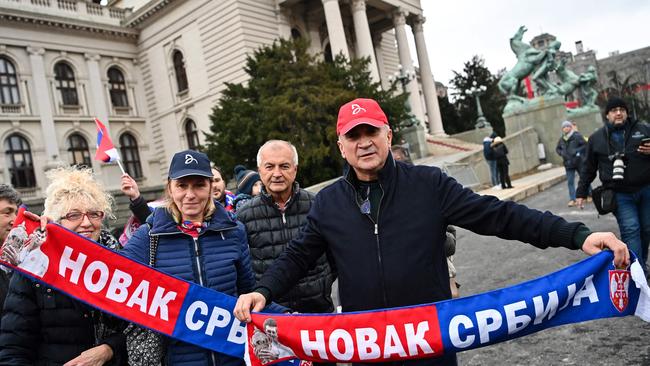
41	326
198	241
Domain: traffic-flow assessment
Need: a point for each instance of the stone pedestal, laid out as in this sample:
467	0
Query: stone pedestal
415	136
546	116
587	121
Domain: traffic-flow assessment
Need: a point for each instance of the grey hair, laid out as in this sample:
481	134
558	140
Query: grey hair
273	142
7	193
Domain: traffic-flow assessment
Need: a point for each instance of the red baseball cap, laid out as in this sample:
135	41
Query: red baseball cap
357	112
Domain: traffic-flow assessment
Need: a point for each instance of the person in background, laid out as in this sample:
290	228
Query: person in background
572	148
41	326
9	203
219	191
275	217
628	141
500	153
249	185
490	159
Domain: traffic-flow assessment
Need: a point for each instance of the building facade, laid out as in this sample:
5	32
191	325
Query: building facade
153	70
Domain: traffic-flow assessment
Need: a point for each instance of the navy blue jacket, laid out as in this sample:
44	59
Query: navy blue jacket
400	260
218	260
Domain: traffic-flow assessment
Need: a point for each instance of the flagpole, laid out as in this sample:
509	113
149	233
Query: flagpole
119	162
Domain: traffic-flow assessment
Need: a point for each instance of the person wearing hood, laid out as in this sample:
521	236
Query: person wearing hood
571	147
622	140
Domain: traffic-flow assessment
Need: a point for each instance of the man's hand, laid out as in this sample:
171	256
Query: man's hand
129	187
246	302
596	242
95	356
44	220
644	148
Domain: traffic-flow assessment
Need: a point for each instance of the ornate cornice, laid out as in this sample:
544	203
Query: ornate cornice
145	12
19	16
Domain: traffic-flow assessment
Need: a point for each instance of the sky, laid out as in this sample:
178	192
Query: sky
458	29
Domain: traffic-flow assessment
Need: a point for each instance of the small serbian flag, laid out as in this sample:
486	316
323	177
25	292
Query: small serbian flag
106	151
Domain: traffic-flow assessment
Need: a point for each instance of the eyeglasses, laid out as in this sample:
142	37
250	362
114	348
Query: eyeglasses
78	216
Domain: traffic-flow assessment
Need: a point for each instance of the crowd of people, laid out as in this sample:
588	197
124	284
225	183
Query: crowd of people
273	241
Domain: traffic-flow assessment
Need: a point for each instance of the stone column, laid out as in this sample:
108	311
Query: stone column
283	15
399	19
338	44
96	87
44	103
426	78
381	68
364	40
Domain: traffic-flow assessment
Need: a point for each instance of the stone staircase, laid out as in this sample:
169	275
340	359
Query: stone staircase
439	146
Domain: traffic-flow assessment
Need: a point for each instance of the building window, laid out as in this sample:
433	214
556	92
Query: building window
192	134
295	33
66	84
8	83
19	160
117	87
179	70
130	155
78	149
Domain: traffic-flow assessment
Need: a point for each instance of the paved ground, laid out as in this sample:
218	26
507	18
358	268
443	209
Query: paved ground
486	263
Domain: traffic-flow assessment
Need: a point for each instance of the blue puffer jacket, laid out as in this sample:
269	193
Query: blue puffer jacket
219	259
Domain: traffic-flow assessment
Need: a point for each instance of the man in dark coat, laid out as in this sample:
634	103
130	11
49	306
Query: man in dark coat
9	202
275	217
627	141
383	226
571	147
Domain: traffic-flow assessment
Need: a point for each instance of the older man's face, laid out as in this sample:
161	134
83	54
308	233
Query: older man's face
277	168
8	212
366	148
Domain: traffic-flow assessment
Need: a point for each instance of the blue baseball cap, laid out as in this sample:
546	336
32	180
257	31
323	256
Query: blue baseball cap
190	162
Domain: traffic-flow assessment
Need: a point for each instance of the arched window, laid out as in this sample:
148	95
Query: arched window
192	134
179	70
130	155
19	160
66	84
8	83
295	33
78	149
117	88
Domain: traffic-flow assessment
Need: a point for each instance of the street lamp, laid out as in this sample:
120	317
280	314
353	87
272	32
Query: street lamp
404	77
475	91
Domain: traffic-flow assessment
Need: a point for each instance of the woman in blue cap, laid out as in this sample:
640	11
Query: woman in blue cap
196	240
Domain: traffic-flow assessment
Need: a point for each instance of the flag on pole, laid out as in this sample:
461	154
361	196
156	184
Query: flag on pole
106	151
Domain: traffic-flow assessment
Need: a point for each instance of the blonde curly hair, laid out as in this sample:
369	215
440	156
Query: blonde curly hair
74	186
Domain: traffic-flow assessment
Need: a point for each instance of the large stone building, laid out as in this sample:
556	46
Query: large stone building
153	70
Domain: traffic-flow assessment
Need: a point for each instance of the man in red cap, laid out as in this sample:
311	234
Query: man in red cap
383	227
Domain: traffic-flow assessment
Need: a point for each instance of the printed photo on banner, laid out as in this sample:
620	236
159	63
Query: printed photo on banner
266	346
24	250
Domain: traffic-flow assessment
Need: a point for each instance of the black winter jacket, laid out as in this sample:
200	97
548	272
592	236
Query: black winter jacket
269	231
600	148
400	260
41	326
572	150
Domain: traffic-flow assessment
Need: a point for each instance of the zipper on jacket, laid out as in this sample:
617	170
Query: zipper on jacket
197	251
284	219
376	233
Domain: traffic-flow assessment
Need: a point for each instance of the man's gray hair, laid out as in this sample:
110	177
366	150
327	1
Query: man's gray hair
273	142
7	193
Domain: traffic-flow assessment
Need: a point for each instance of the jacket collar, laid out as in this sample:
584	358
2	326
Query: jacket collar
295	190
162	222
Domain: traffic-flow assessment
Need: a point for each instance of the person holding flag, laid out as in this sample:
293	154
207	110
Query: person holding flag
106	151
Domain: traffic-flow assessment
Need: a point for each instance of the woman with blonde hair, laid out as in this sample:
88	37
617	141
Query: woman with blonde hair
42	326
195	239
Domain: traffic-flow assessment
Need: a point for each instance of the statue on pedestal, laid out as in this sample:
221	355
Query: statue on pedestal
588	92
569	81
544	85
